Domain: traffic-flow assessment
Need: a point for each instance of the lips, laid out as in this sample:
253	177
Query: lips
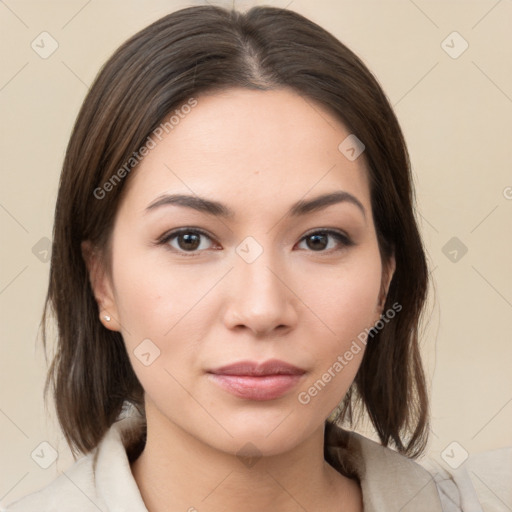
250	368
250	380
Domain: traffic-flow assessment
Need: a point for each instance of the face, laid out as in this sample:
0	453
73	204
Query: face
233	312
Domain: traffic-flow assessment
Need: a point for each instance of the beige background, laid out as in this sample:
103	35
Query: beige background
456	114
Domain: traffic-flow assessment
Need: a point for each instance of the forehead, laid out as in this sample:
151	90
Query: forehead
249	147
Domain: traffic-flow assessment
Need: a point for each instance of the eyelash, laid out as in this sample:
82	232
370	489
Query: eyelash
342	238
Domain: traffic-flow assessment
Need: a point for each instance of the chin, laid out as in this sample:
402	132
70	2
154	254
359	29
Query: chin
262	438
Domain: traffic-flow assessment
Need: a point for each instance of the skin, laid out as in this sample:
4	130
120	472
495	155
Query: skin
257	152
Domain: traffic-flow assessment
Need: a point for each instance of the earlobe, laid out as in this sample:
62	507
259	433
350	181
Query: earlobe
107	321
101	286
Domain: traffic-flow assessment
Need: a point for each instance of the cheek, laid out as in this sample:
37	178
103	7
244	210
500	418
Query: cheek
346	298
155	304
345	302
153	296
165	311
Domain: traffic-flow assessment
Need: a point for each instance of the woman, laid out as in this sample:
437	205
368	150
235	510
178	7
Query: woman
236	271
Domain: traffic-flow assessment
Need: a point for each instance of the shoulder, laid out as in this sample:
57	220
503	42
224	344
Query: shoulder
100	480
397	480
389	481
75	487
480	482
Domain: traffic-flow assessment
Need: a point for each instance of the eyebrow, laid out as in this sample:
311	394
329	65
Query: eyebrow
218	209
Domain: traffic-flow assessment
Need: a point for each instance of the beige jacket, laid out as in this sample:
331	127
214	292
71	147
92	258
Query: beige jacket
102	480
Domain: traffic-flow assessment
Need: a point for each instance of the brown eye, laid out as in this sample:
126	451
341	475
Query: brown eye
189	241
317	242
320	240
184	241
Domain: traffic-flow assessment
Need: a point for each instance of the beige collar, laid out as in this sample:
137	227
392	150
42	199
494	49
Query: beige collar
390	482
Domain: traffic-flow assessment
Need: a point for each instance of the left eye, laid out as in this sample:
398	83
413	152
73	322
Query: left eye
319	240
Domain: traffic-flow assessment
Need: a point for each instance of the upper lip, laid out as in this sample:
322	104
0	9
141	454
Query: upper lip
253	368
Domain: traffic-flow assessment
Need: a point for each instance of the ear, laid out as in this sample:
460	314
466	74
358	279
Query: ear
101	285
388	270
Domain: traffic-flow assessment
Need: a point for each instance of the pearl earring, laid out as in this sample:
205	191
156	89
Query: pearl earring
107	318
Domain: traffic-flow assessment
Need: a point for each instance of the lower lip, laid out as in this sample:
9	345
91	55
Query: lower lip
268	387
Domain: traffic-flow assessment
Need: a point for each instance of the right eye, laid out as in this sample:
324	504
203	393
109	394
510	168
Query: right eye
185	241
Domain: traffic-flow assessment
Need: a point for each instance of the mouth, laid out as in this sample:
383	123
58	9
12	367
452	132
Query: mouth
250	380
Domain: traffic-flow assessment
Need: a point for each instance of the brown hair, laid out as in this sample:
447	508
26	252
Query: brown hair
181	55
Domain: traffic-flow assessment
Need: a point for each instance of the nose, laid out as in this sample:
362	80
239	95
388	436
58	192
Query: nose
261	297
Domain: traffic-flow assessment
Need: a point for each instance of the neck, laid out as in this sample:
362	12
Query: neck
177	471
